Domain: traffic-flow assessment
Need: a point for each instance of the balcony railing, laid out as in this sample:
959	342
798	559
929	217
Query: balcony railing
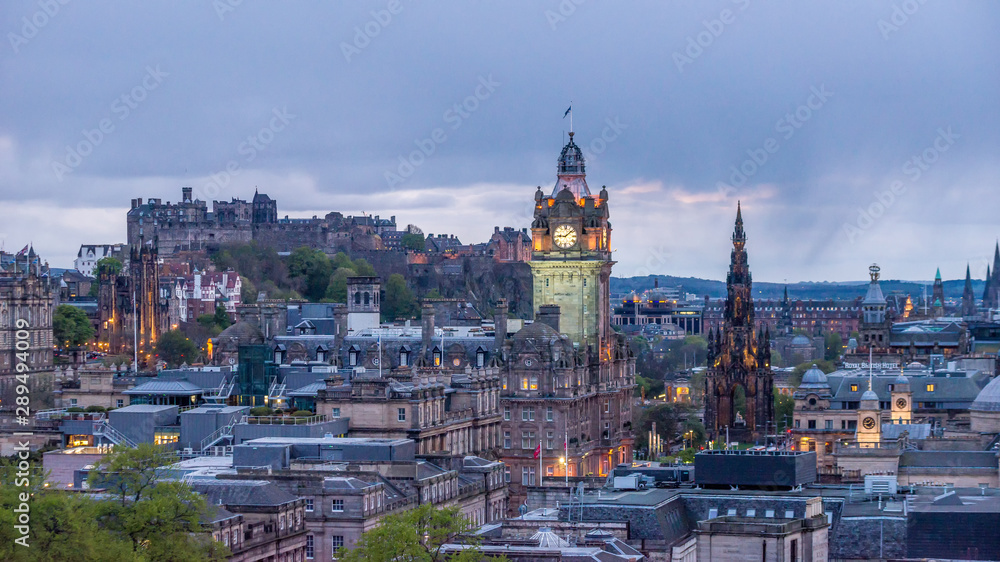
285	420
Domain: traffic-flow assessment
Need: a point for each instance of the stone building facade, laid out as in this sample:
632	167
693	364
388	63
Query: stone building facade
27	301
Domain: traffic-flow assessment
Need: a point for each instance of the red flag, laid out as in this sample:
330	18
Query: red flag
538	449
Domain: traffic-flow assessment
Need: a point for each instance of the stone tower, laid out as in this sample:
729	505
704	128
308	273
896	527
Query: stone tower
902	400
874	326
571	260
869	431
363	303
937	295
739	355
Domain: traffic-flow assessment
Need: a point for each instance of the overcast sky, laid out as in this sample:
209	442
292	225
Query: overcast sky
810	113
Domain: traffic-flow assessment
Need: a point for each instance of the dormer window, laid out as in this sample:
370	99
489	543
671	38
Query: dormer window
279	354
404	358
352	356
480	358
321	354
437	357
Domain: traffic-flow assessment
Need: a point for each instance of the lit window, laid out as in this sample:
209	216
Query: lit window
854	388
534	383
524	383
930	388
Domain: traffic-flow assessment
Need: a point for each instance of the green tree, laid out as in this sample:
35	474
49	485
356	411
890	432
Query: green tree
221	318
160	519
175	348
416	535
312	269
776	359
337	290
248	291
70	326
652	387
364	269
415	242
784	405
433	294
95	290
667	417
834	346
108	266
399	301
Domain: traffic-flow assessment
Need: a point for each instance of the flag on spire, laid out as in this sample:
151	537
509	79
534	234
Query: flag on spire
568	109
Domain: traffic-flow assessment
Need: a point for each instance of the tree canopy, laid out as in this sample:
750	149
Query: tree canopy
70	326
416	535
175	348
108	266
399	301
415	242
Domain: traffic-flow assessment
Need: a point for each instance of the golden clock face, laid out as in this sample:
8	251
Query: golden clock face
869	423
564	236
901	403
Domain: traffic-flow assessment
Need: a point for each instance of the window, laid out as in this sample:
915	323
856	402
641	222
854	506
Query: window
549	439
334	412
713	513
353	358
527	439
236	537
310	547
548	413
524	383
309	505
480	359
506	413
506	440
337	541
528	413
769	513
789	514
401	414
281	523
797	424
437	357
404	358
607	406
337	505
930	387
528	476
811	424
751	513
506	474
72	401
119	403
829	424
731	512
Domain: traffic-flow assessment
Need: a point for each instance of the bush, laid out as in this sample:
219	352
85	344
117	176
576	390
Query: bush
75	409
302	413
96	408
261	411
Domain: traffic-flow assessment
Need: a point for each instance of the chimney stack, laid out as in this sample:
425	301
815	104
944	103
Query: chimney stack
500	324
548	314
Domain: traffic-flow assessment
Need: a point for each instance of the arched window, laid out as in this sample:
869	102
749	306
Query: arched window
357	298
367	298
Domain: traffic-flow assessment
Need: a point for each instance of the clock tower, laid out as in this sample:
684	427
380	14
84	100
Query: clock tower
869	432
571	255
902	400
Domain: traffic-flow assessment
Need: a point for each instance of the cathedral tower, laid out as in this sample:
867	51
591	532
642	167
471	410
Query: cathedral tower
968	297
739	356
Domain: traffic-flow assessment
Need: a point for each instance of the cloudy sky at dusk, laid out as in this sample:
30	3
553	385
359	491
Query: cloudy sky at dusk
853	132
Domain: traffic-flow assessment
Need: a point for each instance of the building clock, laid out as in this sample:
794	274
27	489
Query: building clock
869	423
564	236
901	403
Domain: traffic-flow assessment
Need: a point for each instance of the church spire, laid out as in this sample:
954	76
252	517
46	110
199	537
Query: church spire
738	234
968	298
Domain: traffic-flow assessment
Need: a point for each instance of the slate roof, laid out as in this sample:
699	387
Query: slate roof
307	391
958	391
165	387
913	430
235	493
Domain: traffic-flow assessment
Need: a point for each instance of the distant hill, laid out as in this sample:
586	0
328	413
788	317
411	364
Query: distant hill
815	290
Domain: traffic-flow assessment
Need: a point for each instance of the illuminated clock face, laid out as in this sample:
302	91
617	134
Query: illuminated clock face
901	403
869	423
564	236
